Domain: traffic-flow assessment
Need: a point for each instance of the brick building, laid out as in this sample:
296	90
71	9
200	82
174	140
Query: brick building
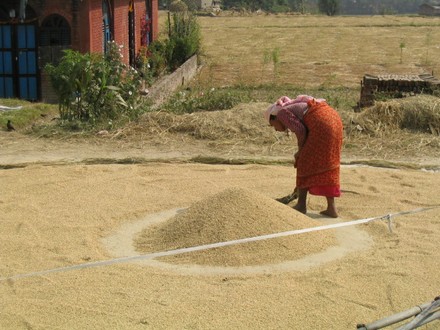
34	32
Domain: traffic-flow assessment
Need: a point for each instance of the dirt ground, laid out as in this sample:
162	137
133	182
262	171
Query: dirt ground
72	210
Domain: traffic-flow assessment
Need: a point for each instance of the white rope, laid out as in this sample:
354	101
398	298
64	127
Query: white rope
211	246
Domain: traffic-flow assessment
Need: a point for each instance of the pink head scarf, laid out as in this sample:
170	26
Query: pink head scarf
272	110
285	101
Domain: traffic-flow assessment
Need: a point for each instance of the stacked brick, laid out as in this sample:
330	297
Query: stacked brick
395	86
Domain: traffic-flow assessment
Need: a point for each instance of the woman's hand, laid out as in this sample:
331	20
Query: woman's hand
282	100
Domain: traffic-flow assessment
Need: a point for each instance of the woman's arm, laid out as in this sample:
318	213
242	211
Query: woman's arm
298	109
295	125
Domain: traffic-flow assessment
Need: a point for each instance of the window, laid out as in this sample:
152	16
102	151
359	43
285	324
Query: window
106	24
55	31
54	38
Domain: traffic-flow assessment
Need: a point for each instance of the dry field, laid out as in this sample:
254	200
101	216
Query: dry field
315	50
71	208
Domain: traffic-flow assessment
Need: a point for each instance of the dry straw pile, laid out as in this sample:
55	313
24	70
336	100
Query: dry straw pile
243	121
406	128
418	113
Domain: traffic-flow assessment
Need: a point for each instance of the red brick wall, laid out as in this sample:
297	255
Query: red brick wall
80	28
139	11
95	33
78	19
121	12
86	21
63	8
155	26
121	26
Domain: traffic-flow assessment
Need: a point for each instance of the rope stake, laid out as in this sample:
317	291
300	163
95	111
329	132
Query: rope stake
389	223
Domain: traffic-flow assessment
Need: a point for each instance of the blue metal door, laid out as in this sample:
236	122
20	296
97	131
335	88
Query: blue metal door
6	64
27	62
18	62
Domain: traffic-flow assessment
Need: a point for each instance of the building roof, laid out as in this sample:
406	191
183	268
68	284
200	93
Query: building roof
433	6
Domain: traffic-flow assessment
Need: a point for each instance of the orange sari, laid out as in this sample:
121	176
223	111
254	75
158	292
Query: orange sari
319	159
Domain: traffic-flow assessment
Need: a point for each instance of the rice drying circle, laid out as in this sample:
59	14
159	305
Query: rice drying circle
234	214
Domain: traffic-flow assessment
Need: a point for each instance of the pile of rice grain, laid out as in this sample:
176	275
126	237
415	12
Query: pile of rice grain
235	213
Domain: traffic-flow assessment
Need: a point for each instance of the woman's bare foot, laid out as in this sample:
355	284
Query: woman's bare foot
329	213
300	208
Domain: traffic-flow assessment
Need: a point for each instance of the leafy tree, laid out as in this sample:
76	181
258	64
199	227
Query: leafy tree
329	7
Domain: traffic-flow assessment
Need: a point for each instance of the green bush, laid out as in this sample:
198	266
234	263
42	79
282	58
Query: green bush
151	62
164	56
184	39
94	88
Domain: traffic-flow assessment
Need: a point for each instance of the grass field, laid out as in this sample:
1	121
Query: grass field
316	51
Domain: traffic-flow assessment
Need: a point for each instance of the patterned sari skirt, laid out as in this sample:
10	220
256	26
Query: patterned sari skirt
318	163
